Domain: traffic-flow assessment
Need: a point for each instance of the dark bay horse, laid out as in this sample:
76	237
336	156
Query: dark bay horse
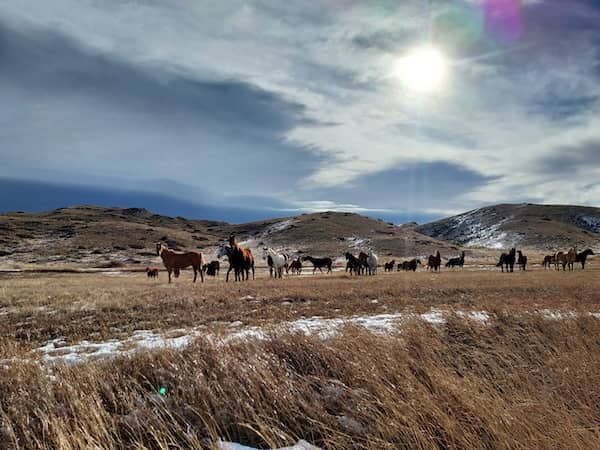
240	261
353	264
389	266
319	263
296	266
411	265
522	260
434	262
508	260
549	260
175	261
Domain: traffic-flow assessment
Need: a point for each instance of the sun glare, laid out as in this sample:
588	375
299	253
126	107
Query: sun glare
422	70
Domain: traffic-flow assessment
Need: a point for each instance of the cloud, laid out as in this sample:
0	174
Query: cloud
229	100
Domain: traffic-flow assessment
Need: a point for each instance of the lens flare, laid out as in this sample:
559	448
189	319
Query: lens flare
422	70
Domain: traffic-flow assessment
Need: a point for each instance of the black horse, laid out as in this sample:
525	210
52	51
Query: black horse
212	268
458	261
507	260
319	263
353	264
581	257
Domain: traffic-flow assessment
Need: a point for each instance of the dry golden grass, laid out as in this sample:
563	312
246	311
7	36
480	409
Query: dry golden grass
519	381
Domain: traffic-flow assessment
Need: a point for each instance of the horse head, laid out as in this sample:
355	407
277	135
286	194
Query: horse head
159	248
348	255
265	252
232	240
223	251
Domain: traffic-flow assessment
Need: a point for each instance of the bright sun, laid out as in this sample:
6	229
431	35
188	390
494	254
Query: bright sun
422	70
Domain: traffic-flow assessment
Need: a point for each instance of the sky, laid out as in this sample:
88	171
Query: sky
241	110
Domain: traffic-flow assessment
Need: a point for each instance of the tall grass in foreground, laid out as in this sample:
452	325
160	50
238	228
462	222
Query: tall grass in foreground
514	383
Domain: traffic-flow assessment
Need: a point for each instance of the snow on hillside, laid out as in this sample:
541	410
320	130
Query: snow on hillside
590	222
477	229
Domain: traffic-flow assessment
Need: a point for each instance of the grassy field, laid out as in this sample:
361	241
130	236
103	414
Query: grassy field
471	359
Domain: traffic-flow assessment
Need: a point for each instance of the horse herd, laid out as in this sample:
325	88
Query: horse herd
241	261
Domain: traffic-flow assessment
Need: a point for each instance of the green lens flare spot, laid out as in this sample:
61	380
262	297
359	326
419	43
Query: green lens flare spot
162	390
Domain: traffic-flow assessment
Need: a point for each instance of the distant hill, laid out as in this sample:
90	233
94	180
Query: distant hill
527	225
97	236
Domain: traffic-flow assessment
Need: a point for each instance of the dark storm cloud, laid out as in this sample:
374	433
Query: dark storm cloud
72	110
45	62
560	108
411	187
571	159
32	196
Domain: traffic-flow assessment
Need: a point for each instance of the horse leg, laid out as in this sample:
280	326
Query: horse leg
195	273
169	271
202	275
227	276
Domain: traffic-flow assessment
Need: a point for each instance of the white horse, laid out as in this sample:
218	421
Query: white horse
372	262
280	260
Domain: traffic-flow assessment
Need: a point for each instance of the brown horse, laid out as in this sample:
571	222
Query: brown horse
389	266
296	266
151	273
549	260
434	262
174	262
567	259
240	260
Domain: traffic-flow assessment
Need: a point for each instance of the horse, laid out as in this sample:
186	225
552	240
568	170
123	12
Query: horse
353	264
389	266
279	261
174	262
521	260
151	273
364	264
549	260
296	266
581	257
508	260
411	265
212	268
319	263
372	262
567	259
434	262
238	266
458	261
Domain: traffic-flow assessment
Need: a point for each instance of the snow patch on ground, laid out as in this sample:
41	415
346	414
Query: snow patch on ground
56	350
300	445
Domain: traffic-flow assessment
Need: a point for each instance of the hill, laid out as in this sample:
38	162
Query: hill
95	236
548	227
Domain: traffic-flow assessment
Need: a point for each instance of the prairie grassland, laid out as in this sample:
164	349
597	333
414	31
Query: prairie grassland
522	379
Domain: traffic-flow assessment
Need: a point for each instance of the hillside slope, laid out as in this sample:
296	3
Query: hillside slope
536	226
103	237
